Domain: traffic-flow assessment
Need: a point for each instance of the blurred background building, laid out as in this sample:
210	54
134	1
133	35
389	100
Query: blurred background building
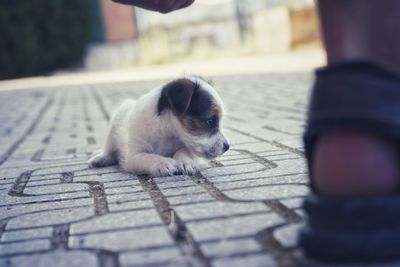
100	34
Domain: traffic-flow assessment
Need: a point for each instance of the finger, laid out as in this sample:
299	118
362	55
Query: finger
169	6
187	3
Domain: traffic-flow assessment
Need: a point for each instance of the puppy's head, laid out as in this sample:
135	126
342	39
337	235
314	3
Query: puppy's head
199	110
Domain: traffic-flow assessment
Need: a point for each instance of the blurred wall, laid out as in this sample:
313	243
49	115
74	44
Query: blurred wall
304	26
118	45
226	27
119	21
283	28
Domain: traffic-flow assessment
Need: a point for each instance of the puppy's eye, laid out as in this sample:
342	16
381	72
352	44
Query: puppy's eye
211	123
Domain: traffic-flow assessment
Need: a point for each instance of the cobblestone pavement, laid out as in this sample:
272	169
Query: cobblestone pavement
242	210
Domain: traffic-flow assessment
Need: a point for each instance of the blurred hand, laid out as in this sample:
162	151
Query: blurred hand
162	6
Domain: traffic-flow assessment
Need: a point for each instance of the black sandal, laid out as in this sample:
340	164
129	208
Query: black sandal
355	96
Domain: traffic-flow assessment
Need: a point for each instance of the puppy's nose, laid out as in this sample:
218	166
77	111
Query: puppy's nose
226	147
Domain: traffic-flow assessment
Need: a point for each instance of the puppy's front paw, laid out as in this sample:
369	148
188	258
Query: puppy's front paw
101	159
186	166
164	167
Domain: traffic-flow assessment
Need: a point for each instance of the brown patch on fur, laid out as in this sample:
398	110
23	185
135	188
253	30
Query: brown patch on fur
201	125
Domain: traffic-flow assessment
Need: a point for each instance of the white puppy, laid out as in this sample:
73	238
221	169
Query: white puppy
165	131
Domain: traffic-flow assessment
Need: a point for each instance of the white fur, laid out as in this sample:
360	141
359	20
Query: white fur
144	142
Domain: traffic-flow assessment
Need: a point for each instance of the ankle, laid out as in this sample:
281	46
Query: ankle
355	164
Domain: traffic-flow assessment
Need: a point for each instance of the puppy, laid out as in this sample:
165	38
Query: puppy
166	131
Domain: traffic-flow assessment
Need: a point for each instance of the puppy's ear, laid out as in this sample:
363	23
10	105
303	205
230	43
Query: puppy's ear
177	95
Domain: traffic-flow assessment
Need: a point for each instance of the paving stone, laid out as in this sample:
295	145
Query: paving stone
234	227
50	218
248	261
45	232
43	182
58	169
43	177
55	259
283	168
255	147
107	175
241	161
6	180
268	192
178	181
293	202
24	247
218	209
169	257
119	184
133	239
10	210
190	199
56	189
248	181
230	247
128	219
128	202
177	191
131	189
11	200
232	170
287	235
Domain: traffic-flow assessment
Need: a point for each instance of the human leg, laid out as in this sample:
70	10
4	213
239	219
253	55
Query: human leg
354	162
353	134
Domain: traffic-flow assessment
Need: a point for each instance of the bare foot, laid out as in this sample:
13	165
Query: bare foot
355	164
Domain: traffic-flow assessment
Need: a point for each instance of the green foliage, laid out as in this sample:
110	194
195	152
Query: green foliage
39	36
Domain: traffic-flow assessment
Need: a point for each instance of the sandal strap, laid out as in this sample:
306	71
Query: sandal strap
353	96
353	214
